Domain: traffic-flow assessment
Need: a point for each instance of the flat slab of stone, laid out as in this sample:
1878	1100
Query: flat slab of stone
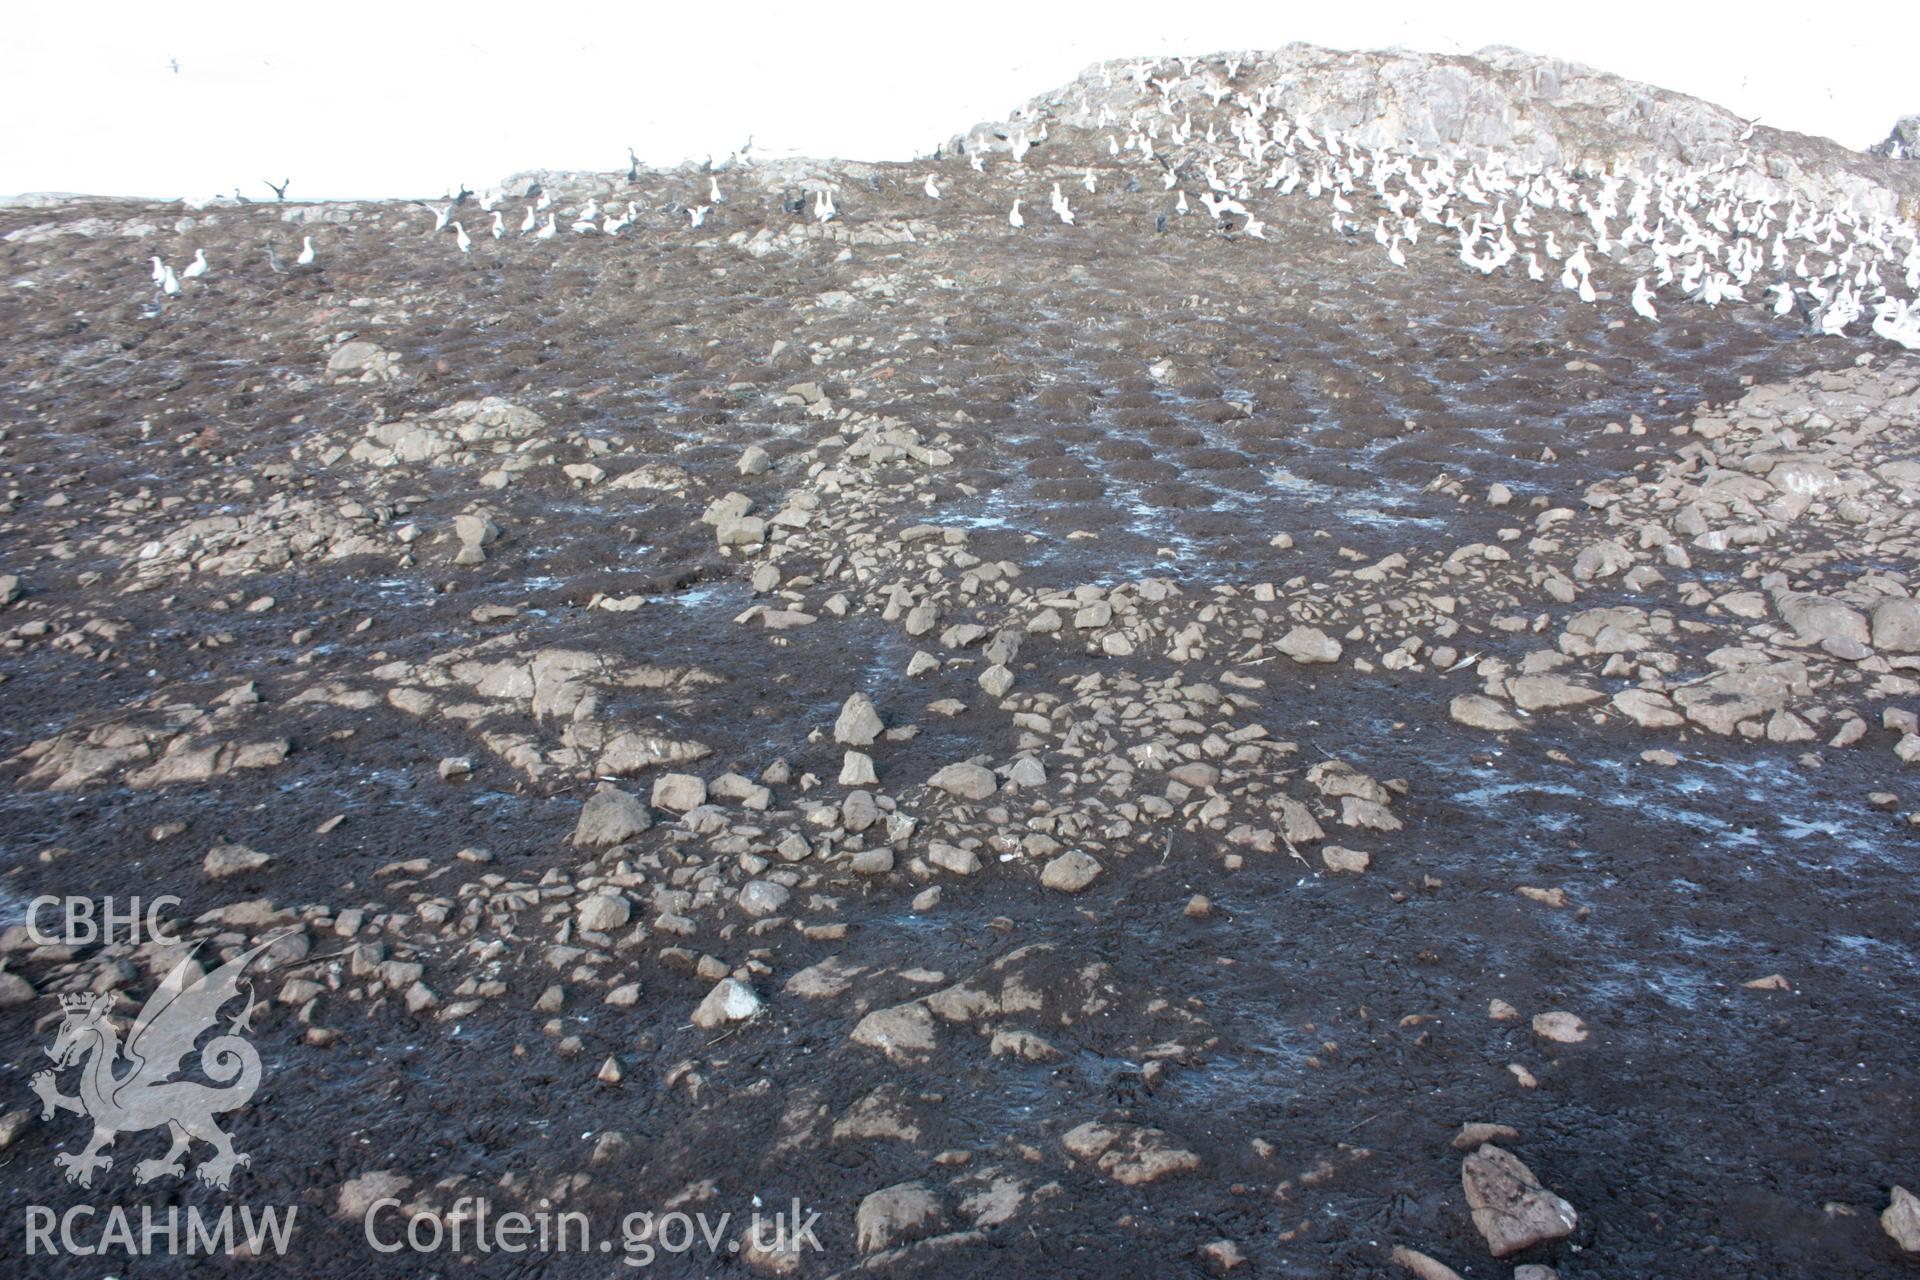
1510	1207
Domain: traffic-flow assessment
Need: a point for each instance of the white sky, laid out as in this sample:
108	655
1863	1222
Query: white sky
402	98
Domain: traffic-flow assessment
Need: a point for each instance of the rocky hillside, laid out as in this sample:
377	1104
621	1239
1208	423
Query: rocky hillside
1541	111
1087	715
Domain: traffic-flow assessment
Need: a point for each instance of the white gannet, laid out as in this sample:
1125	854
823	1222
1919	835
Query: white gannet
931	188
713	192
499	225
1643	300
823	205
1255	228
698	214
159	269
528	223
440	217
546	232
306	252
1014	218
1395	255
1088	183
461	238
546	201
196	268
1897	322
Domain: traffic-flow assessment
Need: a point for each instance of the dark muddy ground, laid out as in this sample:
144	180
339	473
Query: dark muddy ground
1328	1033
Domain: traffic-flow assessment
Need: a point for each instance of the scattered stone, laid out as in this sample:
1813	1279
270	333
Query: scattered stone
902	1032
233	859
679	792
730	1001
1419	1264
1478	711
859	724
1560	1027
1221	1256
1128	1154
1344	861
1901	1220
1510	1207
896	1215
856	770
610	816
604	912
1071	872
357	1196
1471	1136
967	781
1309	645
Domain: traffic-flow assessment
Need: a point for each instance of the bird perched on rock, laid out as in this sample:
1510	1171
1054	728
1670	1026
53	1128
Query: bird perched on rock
196	268
461	238
306	252
169	283
823	209
546	232
159	269
1015	218
931	188
499	224
698	214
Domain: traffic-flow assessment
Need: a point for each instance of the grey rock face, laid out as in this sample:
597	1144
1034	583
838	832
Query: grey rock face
1901	144
1539	111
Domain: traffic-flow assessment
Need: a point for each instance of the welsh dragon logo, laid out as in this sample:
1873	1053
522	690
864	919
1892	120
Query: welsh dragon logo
126	1089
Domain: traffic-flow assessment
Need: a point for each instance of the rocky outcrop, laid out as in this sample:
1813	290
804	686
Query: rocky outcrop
1903	143
1540	112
